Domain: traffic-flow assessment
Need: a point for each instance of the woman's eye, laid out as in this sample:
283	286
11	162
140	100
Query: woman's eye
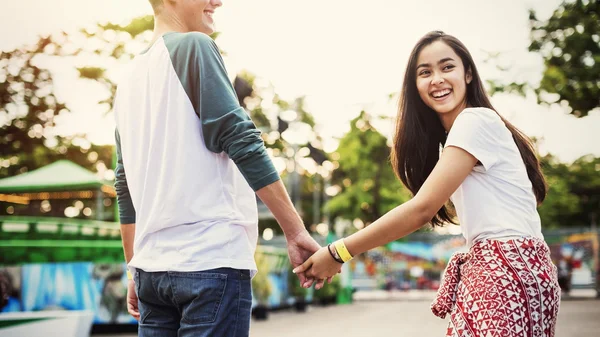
448	66
424	72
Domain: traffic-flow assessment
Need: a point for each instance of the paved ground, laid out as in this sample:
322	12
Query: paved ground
405	314
577	318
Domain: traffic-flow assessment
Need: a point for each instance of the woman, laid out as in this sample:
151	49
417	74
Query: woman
506	285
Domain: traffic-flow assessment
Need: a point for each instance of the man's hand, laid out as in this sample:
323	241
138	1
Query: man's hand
300	248
300	244
132	300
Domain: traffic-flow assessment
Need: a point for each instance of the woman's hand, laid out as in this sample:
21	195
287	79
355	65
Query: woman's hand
319	266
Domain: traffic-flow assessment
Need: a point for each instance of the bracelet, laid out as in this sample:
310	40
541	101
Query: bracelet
341	249
129	276
335	257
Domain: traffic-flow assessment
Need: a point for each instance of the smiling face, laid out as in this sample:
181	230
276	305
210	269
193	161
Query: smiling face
441	79
197	15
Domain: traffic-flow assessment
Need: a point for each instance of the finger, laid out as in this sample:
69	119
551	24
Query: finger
309	282
330	279
302	277
133	311
310	279
303	267
320	284
136	316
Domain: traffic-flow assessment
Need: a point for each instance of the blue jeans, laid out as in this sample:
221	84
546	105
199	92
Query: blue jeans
207	303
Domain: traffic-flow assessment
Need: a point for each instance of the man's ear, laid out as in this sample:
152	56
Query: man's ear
469	76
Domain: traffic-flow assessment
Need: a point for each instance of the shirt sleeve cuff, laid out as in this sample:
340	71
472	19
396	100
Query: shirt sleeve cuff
127	220
265	181
259	171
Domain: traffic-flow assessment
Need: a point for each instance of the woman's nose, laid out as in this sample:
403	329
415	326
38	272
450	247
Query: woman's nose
437	79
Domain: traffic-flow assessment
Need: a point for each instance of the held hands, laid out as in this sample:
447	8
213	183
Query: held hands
300	247
320	266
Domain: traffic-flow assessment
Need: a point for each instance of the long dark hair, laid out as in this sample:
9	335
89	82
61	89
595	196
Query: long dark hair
419	131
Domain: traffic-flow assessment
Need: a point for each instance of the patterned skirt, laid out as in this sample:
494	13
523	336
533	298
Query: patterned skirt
500	288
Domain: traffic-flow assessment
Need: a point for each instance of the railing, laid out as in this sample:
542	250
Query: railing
43	239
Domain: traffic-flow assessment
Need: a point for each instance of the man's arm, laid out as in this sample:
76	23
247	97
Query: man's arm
300	244
127	220
127	235
226	127
126	209
276	198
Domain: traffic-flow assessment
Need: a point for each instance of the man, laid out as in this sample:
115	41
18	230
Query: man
189	162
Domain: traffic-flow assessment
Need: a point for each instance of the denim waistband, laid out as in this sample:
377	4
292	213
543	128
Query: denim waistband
242	274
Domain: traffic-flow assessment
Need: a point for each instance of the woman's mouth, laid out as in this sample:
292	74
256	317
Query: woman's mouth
440	94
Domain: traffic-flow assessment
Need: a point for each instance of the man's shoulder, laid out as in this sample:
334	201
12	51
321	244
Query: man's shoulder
191	42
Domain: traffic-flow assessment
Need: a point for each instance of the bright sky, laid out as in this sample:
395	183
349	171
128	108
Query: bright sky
343	55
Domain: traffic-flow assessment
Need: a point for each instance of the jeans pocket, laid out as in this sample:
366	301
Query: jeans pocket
199	295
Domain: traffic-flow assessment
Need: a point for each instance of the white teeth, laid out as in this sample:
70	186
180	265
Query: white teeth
438	94
209	14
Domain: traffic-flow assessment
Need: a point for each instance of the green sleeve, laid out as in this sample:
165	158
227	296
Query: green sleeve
126	210
226	127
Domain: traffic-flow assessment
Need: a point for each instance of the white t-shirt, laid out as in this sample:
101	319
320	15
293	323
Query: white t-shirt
496	200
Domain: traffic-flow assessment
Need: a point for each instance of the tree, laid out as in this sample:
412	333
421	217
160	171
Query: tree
561	205
28	108
569	43
367	184
584	181
573	198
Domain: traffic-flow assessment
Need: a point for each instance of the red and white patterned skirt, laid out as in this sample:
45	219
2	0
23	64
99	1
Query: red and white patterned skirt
500	288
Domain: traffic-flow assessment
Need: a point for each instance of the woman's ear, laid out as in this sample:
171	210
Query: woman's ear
469	76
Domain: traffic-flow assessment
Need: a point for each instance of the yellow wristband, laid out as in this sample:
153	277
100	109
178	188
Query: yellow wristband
129	276
342	251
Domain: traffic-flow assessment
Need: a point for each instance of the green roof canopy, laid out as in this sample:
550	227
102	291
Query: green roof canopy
62	175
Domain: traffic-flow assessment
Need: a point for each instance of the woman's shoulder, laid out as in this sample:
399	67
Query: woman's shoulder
481	112
481	116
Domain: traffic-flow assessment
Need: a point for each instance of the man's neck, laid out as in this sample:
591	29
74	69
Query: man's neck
166	22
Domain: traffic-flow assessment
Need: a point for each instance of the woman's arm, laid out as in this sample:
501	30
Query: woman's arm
454	166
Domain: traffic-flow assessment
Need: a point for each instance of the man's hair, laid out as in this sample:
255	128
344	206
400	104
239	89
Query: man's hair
156	4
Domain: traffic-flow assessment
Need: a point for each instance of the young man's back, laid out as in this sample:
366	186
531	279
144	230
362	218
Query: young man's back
189	160
195	210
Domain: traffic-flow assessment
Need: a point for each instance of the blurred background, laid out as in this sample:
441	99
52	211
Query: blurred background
321	80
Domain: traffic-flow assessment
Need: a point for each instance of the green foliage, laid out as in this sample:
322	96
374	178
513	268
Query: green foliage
574	192
560	204
368	185
569	43
29	107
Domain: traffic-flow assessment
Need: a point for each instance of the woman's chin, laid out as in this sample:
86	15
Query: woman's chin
443	109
